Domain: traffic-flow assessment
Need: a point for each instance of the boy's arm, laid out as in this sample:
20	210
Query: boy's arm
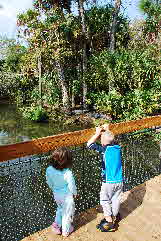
91	143
95	137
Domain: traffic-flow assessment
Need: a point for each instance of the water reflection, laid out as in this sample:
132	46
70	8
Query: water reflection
14	128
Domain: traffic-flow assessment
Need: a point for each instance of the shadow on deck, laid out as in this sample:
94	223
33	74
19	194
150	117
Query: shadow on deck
141	218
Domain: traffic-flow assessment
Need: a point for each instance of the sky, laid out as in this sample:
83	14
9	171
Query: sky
8	15
13	7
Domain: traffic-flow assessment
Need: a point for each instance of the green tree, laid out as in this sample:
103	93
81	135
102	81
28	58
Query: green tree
52	38
13	58
48	4
152	9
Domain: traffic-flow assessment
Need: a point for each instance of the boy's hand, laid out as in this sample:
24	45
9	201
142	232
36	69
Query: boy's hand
105	127
96	136
98	130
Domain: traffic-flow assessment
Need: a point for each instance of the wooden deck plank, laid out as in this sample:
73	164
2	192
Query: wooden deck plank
141	209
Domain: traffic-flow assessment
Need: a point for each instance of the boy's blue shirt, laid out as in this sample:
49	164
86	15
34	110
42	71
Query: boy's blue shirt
111	162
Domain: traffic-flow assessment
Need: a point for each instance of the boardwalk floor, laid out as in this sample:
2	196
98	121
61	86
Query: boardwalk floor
141	212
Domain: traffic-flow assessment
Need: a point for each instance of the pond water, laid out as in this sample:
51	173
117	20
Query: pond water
14	128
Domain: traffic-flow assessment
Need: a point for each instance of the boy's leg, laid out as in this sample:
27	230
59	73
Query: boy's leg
106	225
116	198
105	200
67	215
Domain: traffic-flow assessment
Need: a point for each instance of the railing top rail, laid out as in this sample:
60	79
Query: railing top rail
45	144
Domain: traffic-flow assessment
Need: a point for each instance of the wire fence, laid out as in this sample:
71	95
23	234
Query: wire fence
26	203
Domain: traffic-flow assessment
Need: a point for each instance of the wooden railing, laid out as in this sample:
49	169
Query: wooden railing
45	144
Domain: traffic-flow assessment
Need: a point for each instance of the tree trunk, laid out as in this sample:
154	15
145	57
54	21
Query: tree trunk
84	55
73	100
40	79
84	65
113	33
62	81
64	87
114	24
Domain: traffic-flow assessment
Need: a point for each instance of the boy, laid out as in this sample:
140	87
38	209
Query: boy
112	180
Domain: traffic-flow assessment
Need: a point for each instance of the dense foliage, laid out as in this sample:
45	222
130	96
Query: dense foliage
67	53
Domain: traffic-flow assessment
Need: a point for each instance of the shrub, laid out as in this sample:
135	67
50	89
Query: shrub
34	113
134	105
125	70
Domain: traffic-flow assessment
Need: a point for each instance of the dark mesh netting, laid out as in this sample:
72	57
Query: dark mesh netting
26	203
